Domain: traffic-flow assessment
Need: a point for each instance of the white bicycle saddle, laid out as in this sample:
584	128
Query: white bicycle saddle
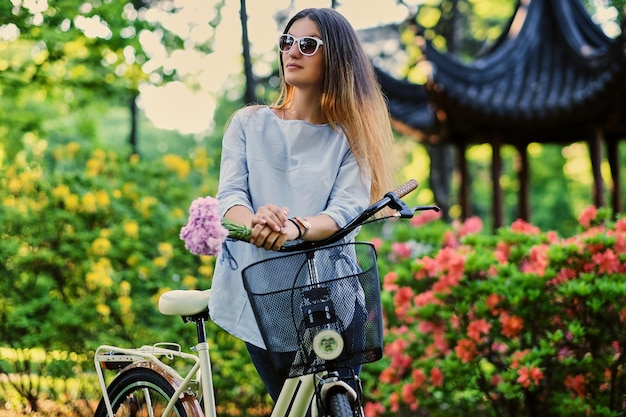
184	302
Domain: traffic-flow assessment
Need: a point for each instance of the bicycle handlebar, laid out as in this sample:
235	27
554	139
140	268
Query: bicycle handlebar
392	200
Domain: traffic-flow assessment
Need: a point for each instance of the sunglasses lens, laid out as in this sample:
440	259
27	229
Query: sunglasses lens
285	42
308	45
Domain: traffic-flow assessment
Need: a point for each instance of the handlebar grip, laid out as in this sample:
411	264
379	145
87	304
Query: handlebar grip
405	188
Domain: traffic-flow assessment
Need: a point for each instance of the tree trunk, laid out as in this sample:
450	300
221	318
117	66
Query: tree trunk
250	95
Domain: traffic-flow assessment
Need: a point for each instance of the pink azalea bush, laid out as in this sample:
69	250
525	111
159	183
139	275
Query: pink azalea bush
520	322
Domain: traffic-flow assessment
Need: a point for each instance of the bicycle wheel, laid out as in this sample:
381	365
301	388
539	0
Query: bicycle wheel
339	404
141	391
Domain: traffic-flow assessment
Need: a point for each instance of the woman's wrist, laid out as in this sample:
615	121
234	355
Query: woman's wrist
298	228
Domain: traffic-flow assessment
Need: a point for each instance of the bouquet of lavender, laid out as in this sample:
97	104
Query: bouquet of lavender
205	230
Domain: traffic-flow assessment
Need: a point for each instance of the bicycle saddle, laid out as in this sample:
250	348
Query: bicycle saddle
184	302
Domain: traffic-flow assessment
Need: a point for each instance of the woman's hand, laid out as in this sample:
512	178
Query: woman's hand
270	227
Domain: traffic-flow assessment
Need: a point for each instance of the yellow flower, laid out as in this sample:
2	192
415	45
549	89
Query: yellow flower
100	246
145	205
190	282
143	272
125	304
94	167
89	202
166	250
103	310
102	199
206	270
73	148
129	189
131	229
132	260
61	191
125	288
100	275
160	262
15	185
175	163
201	162
177	213
24	250
71	203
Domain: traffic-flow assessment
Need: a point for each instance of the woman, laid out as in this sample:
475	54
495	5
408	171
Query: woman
302	167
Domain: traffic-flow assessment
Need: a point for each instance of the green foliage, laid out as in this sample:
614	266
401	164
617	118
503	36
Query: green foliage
74	58
90	241
515	323
28	377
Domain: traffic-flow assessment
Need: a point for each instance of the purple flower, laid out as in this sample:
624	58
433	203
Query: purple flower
203	234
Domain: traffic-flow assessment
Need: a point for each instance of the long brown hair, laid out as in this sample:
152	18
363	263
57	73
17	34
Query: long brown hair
351	97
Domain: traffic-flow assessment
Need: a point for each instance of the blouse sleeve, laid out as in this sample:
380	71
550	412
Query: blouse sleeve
233	181
351	192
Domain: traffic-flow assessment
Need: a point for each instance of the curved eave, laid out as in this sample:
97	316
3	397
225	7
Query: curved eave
537	76
408	103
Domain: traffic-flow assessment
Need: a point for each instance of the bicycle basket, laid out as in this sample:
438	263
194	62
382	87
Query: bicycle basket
301	298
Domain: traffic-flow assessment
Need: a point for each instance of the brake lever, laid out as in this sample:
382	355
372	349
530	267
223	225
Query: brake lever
424	208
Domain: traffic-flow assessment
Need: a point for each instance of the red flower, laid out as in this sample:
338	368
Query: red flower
529	375
470	226
425	217
402	301
492	302
587	216
518	357
537	262
373	409
576	384
436	377
477	328
401	249
520	226
389	281
607	262
465	350
511	325
563	275
377	242
502	252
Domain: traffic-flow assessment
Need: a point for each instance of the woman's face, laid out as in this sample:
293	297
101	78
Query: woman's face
302	71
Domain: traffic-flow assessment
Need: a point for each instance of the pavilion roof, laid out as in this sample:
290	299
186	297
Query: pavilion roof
551	72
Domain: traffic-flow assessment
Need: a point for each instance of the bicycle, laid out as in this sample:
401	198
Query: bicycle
335	320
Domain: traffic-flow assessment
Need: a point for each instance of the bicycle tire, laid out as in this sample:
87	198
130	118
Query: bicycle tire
144	391
339	404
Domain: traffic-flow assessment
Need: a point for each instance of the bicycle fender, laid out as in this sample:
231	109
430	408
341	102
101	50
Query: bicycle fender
352	395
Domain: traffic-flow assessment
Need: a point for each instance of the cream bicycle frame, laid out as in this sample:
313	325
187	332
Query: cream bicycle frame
294	400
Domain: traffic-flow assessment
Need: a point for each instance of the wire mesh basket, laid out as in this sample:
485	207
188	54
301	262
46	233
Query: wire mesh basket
301	298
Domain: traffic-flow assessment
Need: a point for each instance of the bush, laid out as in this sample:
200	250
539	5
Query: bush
89	242
519	323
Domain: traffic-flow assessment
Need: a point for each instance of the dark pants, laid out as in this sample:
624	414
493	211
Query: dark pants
274	376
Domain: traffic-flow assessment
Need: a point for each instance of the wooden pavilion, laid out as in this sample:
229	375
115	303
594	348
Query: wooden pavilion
553	76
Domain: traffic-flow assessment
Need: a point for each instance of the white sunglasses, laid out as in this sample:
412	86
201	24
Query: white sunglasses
307	45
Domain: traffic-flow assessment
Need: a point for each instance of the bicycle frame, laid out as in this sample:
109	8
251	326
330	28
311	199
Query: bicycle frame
294	400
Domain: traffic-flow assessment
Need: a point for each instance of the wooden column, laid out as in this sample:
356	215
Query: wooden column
523	176
464	197
496	172
595	153
612	146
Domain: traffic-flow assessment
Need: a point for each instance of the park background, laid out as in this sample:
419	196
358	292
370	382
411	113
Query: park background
99	163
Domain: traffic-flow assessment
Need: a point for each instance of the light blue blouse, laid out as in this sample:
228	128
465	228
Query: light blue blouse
290	163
